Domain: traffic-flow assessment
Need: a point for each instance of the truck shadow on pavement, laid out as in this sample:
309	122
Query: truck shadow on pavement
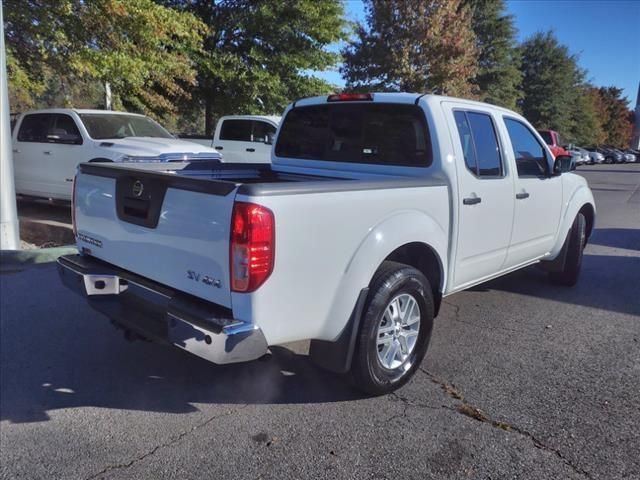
606	283
627	238
56	353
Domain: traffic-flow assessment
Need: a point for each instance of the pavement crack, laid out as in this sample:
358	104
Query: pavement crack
172	440
471	411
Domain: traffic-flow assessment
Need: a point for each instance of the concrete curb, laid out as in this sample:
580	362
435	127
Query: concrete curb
16	259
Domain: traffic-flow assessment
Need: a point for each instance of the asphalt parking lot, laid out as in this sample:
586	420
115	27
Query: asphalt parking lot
523	379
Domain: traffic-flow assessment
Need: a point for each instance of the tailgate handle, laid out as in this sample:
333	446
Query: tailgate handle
251	149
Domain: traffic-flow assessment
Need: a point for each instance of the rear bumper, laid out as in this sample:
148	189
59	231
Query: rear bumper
162	314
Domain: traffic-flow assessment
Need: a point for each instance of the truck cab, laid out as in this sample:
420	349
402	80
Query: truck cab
552	139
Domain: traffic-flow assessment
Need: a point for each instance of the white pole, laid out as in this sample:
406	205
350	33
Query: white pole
107	96
9	231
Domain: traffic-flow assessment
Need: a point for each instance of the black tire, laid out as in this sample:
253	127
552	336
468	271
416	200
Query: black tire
391	280
573	263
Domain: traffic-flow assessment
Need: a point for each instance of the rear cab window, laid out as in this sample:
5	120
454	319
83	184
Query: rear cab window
370	133
238	130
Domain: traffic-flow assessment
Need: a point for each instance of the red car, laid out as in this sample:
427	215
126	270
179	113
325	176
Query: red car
552	138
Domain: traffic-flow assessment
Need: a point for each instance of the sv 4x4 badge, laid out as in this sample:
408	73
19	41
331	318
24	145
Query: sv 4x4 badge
206	279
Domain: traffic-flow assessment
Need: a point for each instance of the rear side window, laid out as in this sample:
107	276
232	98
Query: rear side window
239	130
34	128
531	157
479	143
388	134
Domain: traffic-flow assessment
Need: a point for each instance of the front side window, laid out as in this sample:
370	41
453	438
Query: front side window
63	129
530	155
262	131
109	126
238	130
370	133
479	143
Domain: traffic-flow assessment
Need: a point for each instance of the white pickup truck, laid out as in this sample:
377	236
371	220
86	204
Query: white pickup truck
374	208
49	144
242	138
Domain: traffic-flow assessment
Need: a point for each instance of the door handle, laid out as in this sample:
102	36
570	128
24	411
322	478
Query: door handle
251	149
471	200
47	152
522	195
219	148
15	150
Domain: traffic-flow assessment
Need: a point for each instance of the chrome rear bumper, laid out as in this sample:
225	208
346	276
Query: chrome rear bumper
162	314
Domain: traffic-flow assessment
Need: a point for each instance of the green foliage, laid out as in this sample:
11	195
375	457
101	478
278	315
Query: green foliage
413	45
499	75
62	49
550	82
587	119
256	55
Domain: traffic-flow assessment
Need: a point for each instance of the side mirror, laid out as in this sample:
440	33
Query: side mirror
269	139
562	164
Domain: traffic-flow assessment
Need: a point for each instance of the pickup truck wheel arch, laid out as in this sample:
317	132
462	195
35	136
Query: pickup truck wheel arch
589	216
423	258
336	356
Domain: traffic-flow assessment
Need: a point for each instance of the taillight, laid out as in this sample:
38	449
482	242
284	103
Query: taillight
349	97
252	246
73	207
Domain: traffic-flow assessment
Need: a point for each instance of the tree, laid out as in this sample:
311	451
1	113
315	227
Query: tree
143	49
587	126
257	56
615	116
413	45
499	75
550	84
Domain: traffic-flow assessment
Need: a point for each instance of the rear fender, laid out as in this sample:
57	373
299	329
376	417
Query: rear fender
390	234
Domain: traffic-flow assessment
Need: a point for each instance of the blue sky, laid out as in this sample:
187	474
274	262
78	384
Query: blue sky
605	34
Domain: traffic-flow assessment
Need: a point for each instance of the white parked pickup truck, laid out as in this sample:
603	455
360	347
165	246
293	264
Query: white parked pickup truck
242	138
375	207
49	144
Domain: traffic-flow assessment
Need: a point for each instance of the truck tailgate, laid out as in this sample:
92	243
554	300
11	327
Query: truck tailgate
165	227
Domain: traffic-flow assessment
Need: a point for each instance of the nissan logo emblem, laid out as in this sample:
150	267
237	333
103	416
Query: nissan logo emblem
138	188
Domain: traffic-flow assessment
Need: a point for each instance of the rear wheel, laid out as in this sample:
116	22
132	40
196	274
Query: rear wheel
395	329
573	263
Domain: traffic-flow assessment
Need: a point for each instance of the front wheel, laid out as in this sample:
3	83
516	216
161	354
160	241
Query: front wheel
576	240
395	329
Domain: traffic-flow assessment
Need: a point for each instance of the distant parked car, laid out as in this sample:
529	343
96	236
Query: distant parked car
636	153
579	155
242	138
611	155
629	156
49	144
596	155
552	138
